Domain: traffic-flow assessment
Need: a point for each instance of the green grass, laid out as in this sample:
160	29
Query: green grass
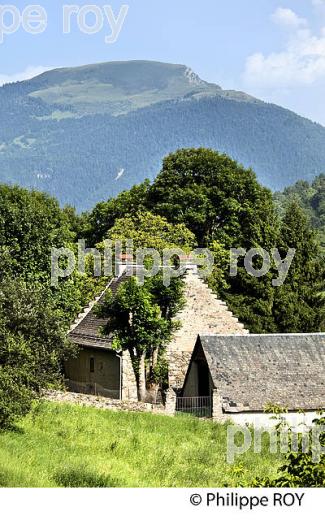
73	446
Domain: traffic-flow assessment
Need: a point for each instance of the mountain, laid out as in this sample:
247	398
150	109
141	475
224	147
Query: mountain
84	134
120	87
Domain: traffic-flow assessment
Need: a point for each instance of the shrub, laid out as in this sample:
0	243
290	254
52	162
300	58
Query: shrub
33	346
300	468
15	398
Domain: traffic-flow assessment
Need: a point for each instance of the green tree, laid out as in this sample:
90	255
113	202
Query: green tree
33	346
34	317
218	280
300	468
102	218
251	300
225	207
297	305
216	198
152	231
299	302
31	223
311	197
141	320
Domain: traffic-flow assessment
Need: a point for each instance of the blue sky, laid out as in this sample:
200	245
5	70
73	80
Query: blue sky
273	49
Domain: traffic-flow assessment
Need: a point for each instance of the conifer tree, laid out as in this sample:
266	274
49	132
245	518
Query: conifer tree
299	302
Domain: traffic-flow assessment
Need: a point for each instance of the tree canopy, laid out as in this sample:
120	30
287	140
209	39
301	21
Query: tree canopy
200	197
148	230
34	317
311	197
33	345
214	197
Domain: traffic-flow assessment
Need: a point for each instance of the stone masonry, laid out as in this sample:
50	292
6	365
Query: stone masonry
129	383
203	314
102	403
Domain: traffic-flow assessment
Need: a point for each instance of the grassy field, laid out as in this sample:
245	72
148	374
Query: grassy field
72	446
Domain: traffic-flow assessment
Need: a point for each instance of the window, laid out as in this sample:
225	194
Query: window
92	365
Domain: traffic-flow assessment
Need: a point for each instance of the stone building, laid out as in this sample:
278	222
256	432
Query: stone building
212	356
100	370
244	374
203	313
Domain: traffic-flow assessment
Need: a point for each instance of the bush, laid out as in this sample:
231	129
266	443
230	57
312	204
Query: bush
300	469
15	398
33	346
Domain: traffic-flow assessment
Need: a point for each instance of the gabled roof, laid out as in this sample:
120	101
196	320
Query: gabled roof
87	330
255	370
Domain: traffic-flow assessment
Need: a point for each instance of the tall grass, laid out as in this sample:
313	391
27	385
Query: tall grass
73	446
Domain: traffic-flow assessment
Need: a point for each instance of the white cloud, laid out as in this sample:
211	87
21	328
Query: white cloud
287	17
301	62
28	73
319	7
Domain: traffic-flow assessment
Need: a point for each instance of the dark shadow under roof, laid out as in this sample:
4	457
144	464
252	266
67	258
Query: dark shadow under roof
254	370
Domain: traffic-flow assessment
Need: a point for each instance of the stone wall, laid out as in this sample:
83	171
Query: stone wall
203	314
298	421
102	403
217	411
129	384
170	405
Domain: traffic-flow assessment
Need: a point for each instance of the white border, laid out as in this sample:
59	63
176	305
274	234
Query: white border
157	504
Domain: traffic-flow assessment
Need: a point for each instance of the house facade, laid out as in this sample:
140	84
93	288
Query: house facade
98	369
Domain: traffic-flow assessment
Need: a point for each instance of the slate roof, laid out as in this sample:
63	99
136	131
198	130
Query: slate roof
254	370
87	332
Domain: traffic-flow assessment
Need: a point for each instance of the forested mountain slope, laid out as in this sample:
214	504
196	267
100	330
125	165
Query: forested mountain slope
87	133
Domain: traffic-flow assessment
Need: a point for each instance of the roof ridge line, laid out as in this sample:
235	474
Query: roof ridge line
278	334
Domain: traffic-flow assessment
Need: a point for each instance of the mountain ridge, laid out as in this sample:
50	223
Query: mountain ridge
147	82
70	131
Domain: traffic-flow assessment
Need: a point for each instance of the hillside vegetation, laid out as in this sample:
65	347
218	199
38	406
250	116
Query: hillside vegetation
70	446
311	197
224	205
86	134
199	197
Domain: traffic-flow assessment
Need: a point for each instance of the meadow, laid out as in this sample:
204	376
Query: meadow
60	445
